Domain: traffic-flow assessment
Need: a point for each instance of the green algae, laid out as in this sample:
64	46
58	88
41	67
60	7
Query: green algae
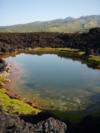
15	105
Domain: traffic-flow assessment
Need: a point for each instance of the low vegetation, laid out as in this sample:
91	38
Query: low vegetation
95	58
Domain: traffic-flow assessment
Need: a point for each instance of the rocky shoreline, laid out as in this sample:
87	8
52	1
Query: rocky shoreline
6	73
88	42
9	98
14	124
12	74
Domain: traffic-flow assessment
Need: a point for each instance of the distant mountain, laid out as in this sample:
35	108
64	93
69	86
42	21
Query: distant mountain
67	25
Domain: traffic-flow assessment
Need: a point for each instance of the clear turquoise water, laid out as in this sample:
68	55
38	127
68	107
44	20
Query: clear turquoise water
59	80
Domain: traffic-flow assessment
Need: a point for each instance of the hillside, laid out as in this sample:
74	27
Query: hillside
67	25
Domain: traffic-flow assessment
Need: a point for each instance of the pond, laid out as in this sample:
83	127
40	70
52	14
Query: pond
55	82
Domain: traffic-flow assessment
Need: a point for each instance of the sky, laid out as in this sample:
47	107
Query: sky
25	11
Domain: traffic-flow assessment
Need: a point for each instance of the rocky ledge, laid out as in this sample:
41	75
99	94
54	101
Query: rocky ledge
14	124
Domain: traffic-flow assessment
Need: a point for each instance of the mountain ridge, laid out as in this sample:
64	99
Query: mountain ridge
66	25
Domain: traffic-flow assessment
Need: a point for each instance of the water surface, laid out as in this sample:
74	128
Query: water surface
60	83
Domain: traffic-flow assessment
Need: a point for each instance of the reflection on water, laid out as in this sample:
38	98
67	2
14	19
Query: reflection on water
63	83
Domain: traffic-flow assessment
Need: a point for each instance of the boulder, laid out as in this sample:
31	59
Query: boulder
14	124
51	125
